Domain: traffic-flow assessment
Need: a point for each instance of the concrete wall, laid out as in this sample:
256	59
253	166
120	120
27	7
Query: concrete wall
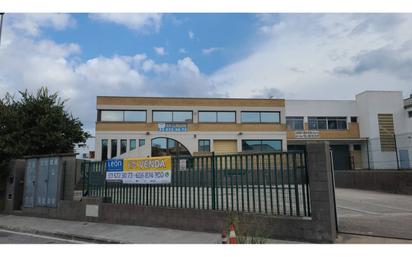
15	185
390	181
320	227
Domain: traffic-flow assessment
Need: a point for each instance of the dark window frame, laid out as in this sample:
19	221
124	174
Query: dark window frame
261	140
121	146
216	115
111	148
295	118
172	111
409	114
99	116
130	144
260	117
104	157
198	145
327	120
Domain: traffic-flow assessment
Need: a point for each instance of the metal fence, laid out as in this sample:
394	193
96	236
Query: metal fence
265	183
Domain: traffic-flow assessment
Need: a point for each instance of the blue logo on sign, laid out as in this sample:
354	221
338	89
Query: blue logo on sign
114	165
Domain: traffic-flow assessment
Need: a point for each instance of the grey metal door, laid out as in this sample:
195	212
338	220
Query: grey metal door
404	159
29	183
52	182
42	179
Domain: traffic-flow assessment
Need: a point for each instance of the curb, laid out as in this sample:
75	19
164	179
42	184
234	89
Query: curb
62	235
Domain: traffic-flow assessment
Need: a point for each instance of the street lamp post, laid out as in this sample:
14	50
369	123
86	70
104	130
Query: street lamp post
1	23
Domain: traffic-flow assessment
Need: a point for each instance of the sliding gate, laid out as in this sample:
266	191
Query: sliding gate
266	183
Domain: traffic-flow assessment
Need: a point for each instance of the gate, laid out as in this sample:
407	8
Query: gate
267	183
29	183
41	186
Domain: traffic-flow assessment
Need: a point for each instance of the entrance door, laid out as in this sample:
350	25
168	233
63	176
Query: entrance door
52	182
404	159
29	183
341	157
225	146
43	175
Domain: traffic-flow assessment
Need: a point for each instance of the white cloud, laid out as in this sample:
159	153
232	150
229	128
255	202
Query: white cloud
31	24
58	66
141	22
211	50
191	34
182	50
159	50
324	56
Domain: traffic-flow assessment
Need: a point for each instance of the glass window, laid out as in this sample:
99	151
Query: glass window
167	146
226	116
312	123
123	146
322	123
271	145
270	117
135	116
250	117
410	114
162	116
114	148
251	146
207	116
132	144
111	115
294	123
142	142
261	145
182	116
104	149
332	124
341	123
204	145
353	119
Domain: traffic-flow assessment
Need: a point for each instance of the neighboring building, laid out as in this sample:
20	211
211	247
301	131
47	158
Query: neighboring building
85	150
360	132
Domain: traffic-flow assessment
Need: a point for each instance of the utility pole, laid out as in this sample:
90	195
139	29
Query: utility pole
1	23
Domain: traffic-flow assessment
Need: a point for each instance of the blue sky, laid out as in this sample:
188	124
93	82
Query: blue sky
292	56
179	34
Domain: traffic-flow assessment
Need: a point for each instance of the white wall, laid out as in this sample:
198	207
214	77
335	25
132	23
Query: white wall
369	105
320	108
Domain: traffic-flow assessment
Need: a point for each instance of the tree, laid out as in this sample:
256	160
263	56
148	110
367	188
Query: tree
36	124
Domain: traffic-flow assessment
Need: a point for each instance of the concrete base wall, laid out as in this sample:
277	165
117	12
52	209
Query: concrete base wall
390	181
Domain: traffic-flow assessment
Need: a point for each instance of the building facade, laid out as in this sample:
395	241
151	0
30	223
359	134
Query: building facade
372	131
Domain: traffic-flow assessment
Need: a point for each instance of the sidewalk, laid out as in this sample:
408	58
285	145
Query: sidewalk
109	233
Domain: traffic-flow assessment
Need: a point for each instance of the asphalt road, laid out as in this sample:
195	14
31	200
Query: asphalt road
12	237
374	213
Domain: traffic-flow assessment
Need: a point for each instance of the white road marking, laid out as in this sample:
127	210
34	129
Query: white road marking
42	236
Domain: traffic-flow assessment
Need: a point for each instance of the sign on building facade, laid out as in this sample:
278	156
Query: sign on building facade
153	170
307	134
172	127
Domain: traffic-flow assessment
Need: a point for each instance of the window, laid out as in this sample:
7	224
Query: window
204	145
353	119
172	116
332	123
357	147
217	116
123	146
294	123
104	149
260	117
162	146
410	114
132	144
142	142
114	148
135	116
111	115
261	145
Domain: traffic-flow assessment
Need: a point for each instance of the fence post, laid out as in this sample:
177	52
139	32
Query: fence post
396	151
213	182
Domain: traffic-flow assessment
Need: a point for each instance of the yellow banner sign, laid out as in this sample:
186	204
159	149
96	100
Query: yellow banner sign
147	164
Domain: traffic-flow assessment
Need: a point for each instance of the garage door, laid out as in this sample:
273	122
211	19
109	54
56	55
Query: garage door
225	146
